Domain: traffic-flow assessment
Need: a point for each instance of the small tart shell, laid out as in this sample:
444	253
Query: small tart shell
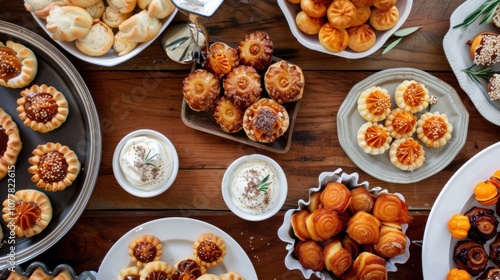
200	90
156	268
41	165
374	104
412	96
401	123
145	249
374	138
23	58
13	145
284	82
433	129
29	211
256	50
209	249
228	115
131	271
265	120
188	268
242	86
43	108
407	154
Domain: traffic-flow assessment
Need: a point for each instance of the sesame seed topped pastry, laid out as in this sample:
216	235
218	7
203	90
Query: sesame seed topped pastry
209	249
485	48
374	138
407	154
265	120
433	129
494	87
98	40
412	96
10	143
18	65
401	123
374	104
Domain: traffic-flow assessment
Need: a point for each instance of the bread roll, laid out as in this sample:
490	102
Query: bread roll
68	23
98	40
122	46
140	27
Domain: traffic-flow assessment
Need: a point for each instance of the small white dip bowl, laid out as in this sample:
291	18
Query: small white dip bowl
239	192
172	162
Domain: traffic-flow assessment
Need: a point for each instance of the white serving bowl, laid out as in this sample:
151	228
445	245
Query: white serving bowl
278	190
173	161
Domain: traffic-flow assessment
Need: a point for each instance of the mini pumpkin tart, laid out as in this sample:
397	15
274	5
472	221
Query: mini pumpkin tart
18	65
401	123
284	82
256	50
412	96
242	86
156	270
209	249
129	273
341	14
200	89
27	211
407	154
374	104
54	166
145	249
43	108
265	120
433	129
188	269
374	138
382	20
221	59
384	4
10	143
333	39
228	115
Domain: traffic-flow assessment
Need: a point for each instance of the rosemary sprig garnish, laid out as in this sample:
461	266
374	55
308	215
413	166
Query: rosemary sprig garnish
487	10
264	184
149	159
401	33
484	73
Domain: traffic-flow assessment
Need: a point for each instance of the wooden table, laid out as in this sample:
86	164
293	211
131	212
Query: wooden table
111	212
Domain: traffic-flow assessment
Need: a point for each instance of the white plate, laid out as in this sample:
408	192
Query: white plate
111	58
177	236
379	166
457	53
311	41
455	197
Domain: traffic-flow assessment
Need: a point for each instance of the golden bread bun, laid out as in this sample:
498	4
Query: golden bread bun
333	39
68	23
140	27
157	8
122	46
363	3
284	82
313	8
384	19
98	40
308	24
113	18
384	4
96	11
124	6
341	13
363	14
361	37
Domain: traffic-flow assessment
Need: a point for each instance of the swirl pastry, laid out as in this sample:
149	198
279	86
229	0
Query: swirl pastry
483	224
10	143
361	200
42	108
129	273
401	123
209	249
382	20
374	104
351	245
392	241
335	196
200	90
483	48
242	86
374	138
341	13
337	259
361	37
113	18
470	256
231	275
284	82
256	50
68	23
299	226
265	120
145	249
122	46
364	228
495	250
54	166
221	59
369	266
314	202
389	207
412	96
310	255
333	39
29	212
187	269
323	224
228	115
156	270
434	129
19	65
407	154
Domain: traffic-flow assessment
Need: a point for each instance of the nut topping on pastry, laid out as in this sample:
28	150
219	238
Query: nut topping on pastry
209	249
145	249
265	120
18	65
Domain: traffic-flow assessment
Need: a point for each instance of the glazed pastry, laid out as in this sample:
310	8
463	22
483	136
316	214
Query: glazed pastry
256	50
31	214
10	143
19	65
351	245
337	259
231	275
68	23
333	39
374	104
307	24
98	40
228	115
363	3
407	154
341	14
369	266
156	270
470	256
361	200
221	59
374	138
495	250
494	87
145	249
314	202
392	241
361	37
335	196
310	255
209	249
389	207
401	123
483	224
140	27
54	166
284	82
384	4
200	90
113	18
323	224
458	274
42	108
382	20
491	273
313	8
129	273
187	269
364	228
362	15
433	129
242	86
299	226
157	8
412	96
484	48
265	120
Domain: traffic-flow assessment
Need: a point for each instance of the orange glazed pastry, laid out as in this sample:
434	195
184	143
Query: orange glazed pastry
31	214
323	224
362	15
284	82
333	39
18	65
314	202
370	266
384	4
434	130
310	255
256	50
200	90
374	138
43	108
156	270
265	120
374	104
313	8
337	259
299	226
341	14
221	59
10	143
392	241
351	245
407	154
412	96
382	20
308	24
389	207
401	123
228	115
364	228
145	249
361	200
361	37
458	274
242	86
209	249
335	196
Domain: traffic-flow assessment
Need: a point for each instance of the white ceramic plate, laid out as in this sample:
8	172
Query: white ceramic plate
457	53
455	197
177	236
311	41
379	166
111	58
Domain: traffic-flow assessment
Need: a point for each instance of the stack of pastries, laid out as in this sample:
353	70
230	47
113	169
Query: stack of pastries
350	232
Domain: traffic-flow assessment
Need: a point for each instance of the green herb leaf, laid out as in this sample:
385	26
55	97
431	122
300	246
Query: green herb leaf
392	45
264	185
406	31
487	10
149	159
484	73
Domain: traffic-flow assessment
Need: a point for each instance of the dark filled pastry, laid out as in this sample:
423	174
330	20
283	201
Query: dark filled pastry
209	249
491	273
10	143
265	120
145	249
323	224
483	224
495	250
187	269
471	256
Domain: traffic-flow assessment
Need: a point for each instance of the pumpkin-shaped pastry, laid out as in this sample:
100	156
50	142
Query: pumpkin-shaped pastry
459	225
362	15
284	82
384	19
19	65
434	130
374	138
384	4
341	13
363	3
412	96
265	120
333	39
401	123
313	8
374	104
407	154
221	59
361	37
256	50
307	24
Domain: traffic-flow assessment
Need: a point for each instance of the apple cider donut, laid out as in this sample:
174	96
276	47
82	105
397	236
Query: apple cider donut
18	65
200	89
265	120
284	82
256	50
242	86
10	143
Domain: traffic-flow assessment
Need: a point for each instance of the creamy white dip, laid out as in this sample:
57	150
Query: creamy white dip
244	187
146	162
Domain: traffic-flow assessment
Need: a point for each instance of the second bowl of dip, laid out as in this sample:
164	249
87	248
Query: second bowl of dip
145	163
254	187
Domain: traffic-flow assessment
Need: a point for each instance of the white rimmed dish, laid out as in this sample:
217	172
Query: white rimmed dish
173	161
262	163
290	11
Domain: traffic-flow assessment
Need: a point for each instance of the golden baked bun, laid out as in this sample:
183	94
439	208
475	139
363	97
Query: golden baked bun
362	15
337	259
361	37
68	23
401	123
407	154
361	200
307	24
333	39
80	3
145	249
483	48
140	27
221	59
284	82
98	40
97	10
122	46
209	249
19	65
370	266
314	202
256	50
310	255
389	207
384	19
433	129
364	228
113	18
265	120
124	6
313	8
200	90
10	143
341	14
374	104
335	196
242	86
228	115
299	226
374	138
384	4
392	241
323	224
363	3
